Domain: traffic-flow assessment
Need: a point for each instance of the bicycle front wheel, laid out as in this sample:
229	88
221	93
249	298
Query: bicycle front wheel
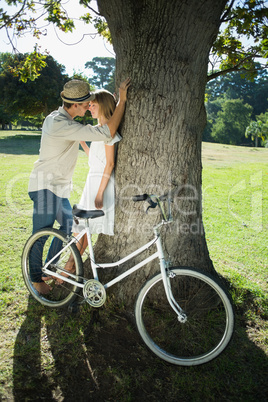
210	317
38	250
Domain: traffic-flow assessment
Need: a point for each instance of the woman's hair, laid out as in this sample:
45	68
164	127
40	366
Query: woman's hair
106	101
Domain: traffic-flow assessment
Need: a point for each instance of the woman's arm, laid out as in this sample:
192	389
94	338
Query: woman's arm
109	152
85	147
115	120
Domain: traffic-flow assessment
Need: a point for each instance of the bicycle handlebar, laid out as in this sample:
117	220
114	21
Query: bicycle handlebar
147	197
142	197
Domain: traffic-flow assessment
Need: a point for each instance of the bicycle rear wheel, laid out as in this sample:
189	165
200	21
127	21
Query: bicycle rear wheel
210	318
40	248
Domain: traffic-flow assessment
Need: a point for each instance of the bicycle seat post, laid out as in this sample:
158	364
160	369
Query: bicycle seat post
90	248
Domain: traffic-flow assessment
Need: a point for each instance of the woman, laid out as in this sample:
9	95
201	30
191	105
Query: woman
99	192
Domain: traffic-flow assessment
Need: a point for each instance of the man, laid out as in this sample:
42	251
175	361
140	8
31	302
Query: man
51	179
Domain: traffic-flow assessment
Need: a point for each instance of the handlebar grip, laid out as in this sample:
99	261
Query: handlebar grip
142	197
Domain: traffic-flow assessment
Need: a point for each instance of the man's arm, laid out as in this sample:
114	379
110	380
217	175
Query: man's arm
116	118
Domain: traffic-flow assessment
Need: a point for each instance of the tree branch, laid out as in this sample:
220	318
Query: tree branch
16	15
229	70
224	17
223	72
90	8
10	41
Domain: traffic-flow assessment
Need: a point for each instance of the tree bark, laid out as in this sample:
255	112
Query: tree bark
163	46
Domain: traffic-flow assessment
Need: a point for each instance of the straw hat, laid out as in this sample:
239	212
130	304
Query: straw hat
77	91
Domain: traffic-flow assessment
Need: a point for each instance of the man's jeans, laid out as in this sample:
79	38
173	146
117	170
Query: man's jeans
48	208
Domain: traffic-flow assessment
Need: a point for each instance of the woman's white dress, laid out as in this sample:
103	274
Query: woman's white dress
97	162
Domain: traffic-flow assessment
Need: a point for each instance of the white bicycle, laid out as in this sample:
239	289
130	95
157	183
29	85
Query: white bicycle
183	315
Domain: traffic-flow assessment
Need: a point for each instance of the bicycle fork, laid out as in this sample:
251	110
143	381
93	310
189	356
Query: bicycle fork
166	276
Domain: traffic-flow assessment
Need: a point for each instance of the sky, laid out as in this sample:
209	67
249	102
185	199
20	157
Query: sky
71	50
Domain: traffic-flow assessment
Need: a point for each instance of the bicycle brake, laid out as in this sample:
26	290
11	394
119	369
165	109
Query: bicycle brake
152	204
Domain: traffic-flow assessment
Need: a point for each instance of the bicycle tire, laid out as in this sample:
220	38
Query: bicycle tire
60	295
210	317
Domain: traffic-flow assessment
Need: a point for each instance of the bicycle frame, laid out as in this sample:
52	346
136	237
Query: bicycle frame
158	254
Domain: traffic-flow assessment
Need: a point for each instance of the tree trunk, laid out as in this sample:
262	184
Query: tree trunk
163	46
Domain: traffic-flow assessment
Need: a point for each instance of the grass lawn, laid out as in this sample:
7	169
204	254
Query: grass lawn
54	355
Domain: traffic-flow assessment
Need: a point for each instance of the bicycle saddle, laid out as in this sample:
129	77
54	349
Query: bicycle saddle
87	214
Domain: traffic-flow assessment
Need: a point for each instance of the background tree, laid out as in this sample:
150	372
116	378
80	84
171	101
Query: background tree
236	85
255	130
104	70
263	117
233	86
32	97
6	117
213	107
231	122
164	47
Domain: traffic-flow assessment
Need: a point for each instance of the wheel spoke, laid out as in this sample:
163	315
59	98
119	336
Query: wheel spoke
39	249
209	324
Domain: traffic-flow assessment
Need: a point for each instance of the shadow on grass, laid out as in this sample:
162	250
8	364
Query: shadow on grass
97	355
27	377
49	363
21	144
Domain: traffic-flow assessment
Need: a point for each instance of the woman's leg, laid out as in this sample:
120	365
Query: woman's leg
81	245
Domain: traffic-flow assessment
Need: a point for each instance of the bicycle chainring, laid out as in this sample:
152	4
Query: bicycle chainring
94	293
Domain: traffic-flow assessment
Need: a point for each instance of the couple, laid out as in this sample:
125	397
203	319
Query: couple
51	178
